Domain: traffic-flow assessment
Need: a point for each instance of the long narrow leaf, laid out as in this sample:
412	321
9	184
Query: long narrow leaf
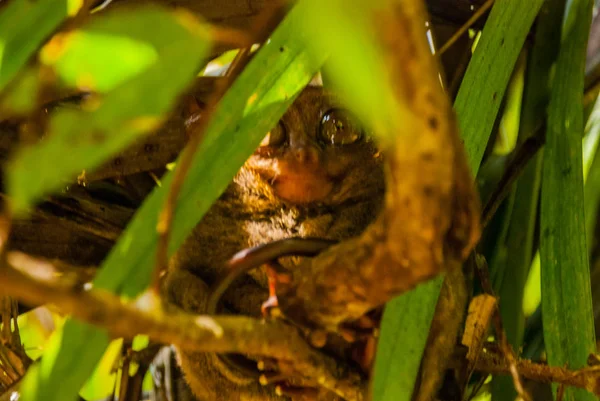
486	79
402	341
566	292
274	76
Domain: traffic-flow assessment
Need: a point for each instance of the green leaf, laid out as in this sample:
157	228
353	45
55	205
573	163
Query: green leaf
101	383
59	362
252	106
24	25
17	98
508	130
566	292
486	79
81	59
399	350
137	102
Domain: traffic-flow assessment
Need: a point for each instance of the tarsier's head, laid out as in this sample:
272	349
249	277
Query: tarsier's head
317	154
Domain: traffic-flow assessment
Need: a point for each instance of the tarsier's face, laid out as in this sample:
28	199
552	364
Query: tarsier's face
318	153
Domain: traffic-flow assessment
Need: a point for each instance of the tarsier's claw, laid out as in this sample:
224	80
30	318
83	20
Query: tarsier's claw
270	308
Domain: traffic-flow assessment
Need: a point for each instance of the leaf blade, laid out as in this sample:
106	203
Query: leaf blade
403	316
487	75
566	290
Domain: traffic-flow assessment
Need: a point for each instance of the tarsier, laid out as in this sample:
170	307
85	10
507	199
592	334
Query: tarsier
316	174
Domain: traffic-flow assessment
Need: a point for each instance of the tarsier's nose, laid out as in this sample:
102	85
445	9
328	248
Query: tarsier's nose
306	154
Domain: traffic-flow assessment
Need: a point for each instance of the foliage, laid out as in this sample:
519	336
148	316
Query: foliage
78	59
124	63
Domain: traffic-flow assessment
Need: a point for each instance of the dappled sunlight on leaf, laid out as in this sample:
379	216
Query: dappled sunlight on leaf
87	60
138	99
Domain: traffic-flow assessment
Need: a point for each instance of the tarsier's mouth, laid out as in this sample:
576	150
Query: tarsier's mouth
302	188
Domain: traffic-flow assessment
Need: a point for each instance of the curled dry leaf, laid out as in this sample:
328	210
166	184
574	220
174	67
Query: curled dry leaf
431	213
481	311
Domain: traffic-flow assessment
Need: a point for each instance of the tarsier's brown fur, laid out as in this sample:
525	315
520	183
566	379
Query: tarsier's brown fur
301	187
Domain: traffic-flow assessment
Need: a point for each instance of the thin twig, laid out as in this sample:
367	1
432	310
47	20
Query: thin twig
523	155
476	15
273	339
587	378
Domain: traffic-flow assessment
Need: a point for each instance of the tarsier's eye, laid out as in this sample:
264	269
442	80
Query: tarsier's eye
339	128
275	137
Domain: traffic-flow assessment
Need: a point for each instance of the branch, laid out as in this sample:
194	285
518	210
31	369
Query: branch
75	228
587	378
522	156
269	338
